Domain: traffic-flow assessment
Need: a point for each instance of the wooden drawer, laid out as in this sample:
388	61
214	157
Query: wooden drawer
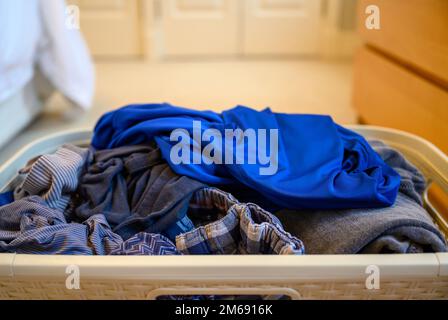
387	94
414	31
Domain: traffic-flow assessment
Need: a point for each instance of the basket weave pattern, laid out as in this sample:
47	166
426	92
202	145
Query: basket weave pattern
139	290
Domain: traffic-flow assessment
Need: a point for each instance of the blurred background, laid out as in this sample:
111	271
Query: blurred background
297	56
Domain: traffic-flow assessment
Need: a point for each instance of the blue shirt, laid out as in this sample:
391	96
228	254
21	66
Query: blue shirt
321	165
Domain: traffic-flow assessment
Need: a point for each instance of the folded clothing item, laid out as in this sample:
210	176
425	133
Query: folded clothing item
53	177
137	192
30	226
317	163
405	227
226	226
146	244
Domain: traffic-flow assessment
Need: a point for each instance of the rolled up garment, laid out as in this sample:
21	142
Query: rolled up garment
29	226
405	227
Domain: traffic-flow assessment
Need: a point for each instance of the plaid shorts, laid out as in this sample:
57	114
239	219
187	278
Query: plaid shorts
227	226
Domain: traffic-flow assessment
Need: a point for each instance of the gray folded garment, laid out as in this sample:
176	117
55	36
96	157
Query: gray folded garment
405	227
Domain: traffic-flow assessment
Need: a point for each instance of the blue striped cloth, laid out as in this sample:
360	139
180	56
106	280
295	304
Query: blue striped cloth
230	227
29	226
36	221
53	177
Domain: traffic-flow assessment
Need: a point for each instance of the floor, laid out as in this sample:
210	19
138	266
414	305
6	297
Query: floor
299	86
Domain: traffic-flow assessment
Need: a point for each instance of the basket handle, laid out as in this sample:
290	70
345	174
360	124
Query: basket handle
423	154
223	291
434	212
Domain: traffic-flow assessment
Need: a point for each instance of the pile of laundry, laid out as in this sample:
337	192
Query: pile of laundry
164	180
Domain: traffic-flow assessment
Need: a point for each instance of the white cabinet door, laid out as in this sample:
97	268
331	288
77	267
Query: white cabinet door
281	27
199	27
112	28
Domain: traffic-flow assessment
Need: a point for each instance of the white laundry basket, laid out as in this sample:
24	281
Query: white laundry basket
411	276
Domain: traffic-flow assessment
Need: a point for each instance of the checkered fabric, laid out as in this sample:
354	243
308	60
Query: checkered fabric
230	227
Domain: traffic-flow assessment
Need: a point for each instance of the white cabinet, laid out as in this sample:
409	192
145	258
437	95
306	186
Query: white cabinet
112	28
283	27
199	27
238	27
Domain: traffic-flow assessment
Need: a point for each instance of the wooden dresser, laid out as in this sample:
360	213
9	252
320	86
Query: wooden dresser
401	71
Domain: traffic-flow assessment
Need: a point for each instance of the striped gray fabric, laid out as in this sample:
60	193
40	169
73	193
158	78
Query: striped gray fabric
29	226
37	221
53	177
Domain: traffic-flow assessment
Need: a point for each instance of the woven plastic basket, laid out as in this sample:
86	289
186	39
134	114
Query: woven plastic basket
413	276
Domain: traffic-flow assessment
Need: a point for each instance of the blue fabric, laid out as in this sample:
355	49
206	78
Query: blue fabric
6	198
146	244
321	164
